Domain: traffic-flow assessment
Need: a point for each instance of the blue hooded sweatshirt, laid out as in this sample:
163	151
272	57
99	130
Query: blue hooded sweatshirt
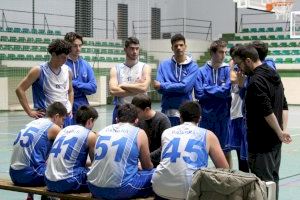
84	82
213	91
177	81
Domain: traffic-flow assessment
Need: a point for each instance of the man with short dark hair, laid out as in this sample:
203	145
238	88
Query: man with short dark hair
119	148
83	80
175	79
129	78
266	115
185	148
66	166
153	123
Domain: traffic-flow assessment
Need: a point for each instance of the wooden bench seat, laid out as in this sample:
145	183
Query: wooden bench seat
8	185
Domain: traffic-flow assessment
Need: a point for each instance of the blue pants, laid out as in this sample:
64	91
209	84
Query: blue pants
174	121
114	117
139	186
238	137
28	176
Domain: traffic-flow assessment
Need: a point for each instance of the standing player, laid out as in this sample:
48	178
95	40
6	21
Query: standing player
212	90
175	79
114	173
51	82
32	146
129	78
83	82
66	167
185	148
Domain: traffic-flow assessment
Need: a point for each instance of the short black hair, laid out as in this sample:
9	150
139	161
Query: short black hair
56	108
177	37
233	49
127	113
84	113
248	51
190	111
217	44
261	48
131	40
59	46
141	101
72	36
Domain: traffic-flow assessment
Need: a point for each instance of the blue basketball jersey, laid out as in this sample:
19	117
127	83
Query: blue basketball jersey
51	87
31	147
69	152
116	156
183	152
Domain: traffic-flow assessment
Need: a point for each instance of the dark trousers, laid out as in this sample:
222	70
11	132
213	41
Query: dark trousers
266	166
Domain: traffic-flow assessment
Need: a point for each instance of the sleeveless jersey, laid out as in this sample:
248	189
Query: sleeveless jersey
51	87
69	152
128	75
183	152
116	156
32	146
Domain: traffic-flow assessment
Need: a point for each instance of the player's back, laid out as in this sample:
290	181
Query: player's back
116	156
69	152
183	152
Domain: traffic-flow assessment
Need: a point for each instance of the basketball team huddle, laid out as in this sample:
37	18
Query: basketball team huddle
205	112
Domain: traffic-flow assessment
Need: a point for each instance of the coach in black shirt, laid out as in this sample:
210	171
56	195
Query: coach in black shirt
266	115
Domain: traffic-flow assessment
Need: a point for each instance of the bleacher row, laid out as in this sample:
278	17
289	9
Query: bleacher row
30	31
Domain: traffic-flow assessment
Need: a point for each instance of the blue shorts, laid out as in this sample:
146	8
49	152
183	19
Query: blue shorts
221	128
28	176
76	183
140	186
238	137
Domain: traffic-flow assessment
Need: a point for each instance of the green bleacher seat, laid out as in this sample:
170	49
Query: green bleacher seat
11	56
274	44
237	38
278	29
34	48
38	57
246	37
50	32
103	51
110	51
43	48
279	60
9	29
111	44
270	29
292	44
283	44
115	59
262	37
285	52
1	29
20	57
25	30
261	30
95	59
17	47
21	39
245	30
254	37
253	30
117	51
117	44
2	56
41	31
271	37
89	50
288	60
38	40
122	59
57	32
276	52
17	30
47	41
104	44
109	59
87	58
280	37
30	40
26	48
47	57
83	50
4	38
97	43
7	47
102	59
96	51
295	52
90	43
287	37
297	60
34	31
29	57
12	39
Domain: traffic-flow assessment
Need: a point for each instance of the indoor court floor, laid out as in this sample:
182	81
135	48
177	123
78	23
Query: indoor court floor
12	122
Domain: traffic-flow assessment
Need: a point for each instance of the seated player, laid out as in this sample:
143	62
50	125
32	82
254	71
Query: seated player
185	148
153	123
66	167
32	146
114	173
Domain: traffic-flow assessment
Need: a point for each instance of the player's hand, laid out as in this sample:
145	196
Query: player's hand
36	114
240	78
156	85
285	137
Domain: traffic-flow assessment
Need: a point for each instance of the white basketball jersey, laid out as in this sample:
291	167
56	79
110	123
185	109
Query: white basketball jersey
127	74
183	152
68	152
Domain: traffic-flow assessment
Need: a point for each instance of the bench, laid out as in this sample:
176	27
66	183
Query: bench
8	185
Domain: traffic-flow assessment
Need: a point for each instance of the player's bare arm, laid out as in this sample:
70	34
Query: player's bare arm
144	150
114	87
